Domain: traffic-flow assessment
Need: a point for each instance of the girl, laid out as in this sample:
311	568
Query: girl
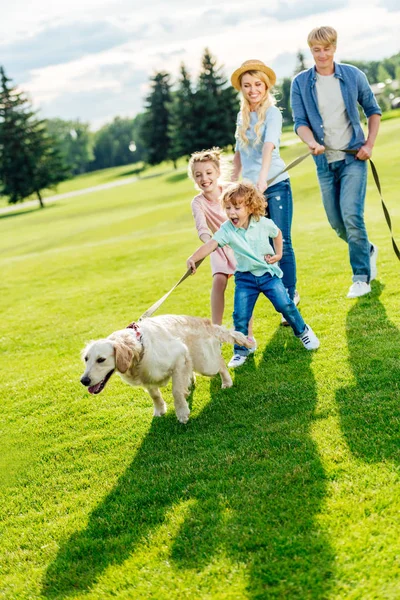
205	170
247	232
258	132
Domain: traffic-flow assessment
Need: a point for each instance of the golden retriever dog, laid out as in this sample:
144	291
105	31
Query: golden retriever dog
150	353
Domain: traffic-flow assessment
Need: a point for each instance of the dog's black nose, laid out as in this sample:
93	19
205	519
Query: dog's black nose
85	380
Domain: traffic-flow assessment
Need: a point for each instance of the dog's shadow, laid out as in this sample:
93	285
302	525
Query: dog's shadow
253	477
370	409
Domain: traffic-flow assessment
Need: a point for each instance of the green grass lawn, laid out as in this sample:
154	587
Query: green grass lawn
285	486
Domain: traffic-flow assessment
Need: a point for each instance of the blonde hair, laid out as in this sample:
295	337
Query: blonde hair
214	156
322	35
246	193
262	108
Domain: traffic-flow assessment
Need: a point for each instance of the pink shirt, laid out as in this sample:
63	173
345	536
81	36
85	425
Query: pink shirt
209	216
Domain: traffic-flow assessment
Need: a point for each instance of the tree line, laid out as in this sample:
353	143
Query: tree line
179	118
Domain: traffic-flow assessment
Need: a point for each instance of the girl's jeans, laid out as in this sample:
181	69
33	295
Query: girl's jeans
280	210
247	289
343	189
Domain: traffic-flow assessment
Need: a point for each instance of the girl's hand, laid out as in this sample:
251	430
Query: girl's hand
262	185
191	265
271	259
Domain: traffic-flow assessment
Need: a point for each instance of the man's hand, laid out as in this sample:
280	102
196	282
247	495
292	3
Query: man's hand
316	148
190	263
364	153
271	259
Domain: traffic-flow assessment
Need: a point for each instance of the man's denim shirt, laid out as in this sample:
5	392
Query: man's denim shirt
355	90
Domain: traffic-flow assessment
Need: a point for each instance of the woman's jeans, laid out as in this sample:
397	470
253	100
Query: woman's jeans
343	188
280	210
247	289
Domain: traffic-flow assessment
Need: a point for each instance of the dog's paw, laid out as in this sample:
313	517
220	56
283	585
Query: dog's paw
159	412
183	415
226	384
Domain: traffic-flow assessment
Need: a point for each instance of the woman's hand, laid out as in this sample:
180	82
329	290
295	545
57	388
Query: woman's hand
271	259
262	185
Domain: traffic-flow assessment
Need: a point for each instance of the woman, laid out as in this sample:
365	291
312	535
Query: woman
258	131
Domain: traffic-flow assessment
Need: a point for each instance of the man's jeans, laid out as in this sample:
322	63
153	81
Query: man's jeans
247	289
343	188
280	210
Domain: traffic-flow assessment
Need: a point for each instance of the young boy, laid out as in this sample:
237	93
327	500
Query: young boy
247	232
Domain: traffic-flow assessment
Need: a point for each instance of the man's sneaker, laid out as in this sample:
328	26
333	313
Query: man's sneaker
254	347
359	288
309	339
373	255
237	360
296	300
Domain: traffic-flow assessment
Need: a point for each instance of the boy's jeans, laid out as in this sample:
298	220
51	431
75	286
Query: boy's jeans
280	210
343	188
247	289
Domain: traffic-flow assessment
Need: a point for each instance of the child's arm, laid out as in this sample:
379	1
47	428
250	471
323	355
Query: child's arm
278	247
237	166
266	162
200	220
200	253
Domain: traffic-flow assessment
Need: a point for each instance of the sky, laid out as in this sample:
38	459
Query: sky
92	59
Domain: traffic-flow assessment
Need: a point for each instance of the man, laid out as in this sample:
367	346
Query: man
325	102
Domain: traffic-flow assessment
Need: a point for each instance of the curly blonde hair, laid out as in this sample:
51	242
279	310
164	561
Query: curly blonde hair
266	102
245	192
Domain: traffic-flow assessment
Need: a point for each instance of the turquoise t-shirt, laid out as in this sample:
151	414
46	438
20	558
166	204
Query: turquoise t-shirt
250	245
251	157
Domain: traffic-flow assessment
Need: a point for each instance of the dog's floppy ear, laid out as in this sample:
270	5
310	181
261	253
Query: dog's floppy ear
123	356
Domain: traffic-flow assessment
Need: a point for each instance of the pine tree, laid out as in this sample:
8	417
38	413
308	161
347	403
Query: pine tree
216	106
155	124
182	124
29	158
301	65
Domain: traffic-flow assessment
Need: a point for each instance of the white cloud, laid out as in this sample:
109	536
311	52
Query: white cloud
123	42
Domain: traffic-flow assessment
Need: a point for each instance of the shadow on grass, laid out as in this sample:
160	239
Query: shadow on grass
135	171
370	409
20	212
252	469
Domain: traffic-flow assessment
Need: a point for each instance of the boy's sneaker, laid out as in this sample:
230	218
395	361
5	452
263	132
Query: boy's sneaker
359	288
309	339
296	301
373	255
237	360
254	347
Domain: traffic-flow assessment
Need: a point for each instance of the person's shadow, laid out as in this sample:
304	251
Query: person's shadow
370	408
252	473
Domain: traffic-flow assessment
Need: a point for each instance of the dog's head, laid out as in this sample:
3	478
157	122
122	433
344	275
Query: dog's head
103	357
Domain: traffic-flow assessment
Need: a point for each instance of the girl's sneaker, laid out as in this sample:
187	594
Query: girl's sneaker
237	360
254	347
309	339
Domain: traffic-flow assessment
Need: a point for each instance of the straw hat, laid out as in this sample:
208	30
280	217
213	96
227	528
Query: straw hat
252	65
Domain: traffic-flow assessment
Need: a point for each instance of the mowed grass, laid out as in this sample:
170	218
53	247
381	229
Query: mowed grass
285	486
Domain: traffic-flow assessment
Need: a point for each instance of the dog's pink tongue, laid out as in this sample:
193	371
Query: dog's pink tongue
93	389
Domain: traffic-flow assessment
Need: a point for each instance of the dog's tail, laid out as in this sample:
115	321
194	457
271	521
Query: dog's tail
231	336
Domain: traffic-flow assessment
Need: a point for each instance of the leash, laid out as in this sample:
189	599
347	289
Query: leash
288	167
157	304
375	175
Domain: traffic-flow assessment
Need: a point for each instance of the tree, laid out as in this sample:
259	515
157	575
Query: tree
75	142
182	125
301	65
155	123
114	144
29	158
283	100
216	106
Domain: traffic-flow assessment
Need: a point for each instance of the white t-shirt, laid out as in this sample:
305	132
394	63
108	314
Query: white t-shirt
337	127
